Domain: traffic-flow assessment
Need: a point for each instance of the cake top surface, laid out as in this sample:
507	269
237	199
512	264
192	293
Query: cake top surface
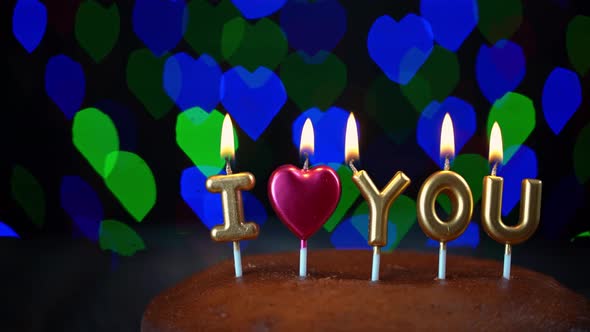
337	295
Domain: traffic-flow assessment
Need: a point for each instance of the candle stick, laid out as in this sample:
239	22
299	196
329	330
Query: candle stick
491	217
459	193
230	185
379	201
306	146
304	198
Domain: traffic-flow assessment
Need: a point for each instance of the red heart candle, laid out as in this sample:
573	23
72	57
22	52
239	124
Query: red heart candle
305	198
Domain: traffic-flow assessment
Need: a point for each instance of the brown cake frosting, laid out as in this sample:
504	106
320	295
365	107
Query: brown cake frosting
338	296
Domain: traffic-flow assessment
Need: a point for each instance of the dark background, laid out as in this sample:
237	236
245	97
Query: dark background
53	279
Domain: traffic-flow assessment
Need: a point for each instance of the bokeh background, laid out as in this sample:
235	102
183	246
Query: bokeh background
112	115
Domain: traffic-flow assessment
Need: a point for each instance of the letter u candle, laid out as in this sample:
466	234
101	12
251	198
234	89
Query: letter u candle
491	210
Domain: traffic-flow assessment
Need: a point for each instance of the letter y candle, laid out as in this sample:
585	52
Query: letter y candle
379	201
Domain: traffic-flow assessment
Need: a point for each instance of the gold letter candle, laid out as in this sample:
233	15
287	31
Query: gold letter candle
379	201
491	210
234	227
459	193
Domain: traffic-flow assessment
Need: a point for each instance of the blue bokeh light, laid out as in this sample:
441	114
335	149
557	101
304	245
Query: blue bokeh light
6	231
329	131
160	24
192	82
562	96
346	236
522	165
312	26
29	21
400	48
451	21
430	125
82	204
65	84
252	9
499	69
469	239
252	98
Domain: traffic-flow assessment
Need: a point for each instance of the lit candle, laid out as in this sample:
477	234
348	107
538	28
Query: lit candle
304	198
234	227
459	193
379	201
306	147
491	211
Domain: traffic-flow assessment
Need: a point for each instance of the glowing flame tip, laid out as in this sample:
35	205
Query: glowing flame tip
496	145
227	139
447	138
351	143
306	145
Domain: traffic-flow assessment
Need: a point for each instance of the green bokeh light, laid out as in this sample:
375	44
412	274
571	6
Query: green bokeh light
132	182
205	25
499	19
435	80
95	137
119	238
348	196
29	194
251	46
515	114
403	215
198	134
390	109
473	168
97	28
578	43
313	81
585	234
145	80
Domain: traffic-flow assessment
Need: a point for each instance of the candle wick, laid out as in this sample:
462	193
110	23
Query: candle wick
494	168
228	169
447	164
306	162
352	167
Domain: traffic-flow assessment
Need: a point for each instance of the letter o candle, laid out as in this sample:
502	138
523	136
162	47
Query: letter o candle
453	185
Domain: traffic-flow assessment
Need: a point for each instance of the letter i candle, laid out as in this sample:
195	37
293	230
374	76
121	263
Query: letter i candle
230	185
491	210
379	201
453	185
304	198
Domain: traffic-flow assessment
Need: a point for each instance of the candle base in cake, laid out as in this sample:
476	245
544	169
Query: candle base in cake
337	295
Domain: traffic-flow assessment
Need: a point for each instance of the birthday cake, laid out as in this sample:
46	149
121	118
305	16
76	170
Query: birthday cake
338	296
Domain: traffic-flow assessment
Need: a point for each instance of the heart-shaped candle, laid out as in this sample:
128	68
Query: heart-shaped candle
304	199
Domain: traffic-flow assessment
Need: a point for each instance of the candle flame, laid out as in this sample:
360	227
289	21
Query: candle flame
351	141
227	139
447	138
306	145
496	146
